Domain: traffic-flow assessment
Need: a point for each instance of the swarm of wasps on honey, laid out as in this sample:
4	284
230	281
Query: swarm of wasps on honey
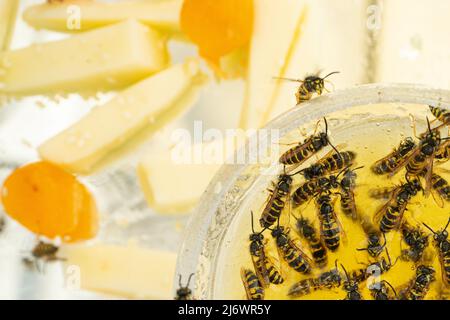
405	257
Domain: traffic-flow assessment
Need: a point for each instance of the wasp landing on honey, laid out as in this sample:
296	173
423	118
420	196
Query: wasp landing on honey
351	287
310	146
390	215
383	290
422	157
278	197
183	292
418	287
290	251
308	86
442	245
393	160
332	162
311	188
325	281
253	287
318	250
416	240
330	227
347	193
265	269
374	246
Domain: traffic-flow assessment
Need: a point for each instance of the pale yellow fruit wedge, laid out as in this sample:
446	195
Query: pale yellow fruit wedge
73	16
102	59
8	9
275	27
126	271
174	181
152	102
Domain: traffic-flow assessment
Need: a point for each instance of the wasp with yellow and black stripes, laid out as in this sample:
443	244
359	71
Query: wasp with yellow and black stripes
318	250
253	287
265	269
184	292
383	290
326	280
279	196
351	287
441	114
331	229
442	245
390	215
291	251
393	160
332	162
310	85
416	240
303	151
418	287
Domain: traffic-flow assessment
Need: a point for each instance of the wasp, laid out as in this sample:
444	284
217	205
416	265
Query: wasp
311	188
332	162
382	291
421	159
308	86
418	287
441	186
265	269
443	115
374	246
443	153
303	151
351	286
391	214
379	267
442	245
326	280
348	184
183	292
393	160
276	201
318	250
45	252
416	240
253	288
330	226
290	251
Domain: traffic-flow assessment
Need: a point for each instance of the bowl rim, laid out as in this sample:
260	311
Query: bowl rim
204	218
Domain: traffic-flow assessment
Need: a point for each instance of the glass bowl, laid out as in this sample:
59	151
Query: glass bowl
213	230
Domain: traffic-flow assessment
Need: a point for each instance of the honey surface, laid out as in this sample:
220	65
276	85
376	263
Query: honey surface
371	140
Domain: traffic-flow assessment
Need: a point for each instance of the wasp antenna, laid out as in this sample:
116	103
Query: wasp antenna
390	285
388	256
288	79
362	249
331	73
428	124
253	229
179	280
448	222
385	241
334	148
189	279
345	271
429	228
295	173
326	126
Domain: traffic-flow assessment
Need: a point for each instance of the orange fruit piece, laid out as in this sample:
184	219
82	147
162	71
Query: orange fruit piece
49	201
217	27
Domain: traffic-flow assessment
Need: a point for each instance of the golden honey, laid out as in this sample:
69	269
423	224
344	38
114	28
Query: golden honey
371	139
